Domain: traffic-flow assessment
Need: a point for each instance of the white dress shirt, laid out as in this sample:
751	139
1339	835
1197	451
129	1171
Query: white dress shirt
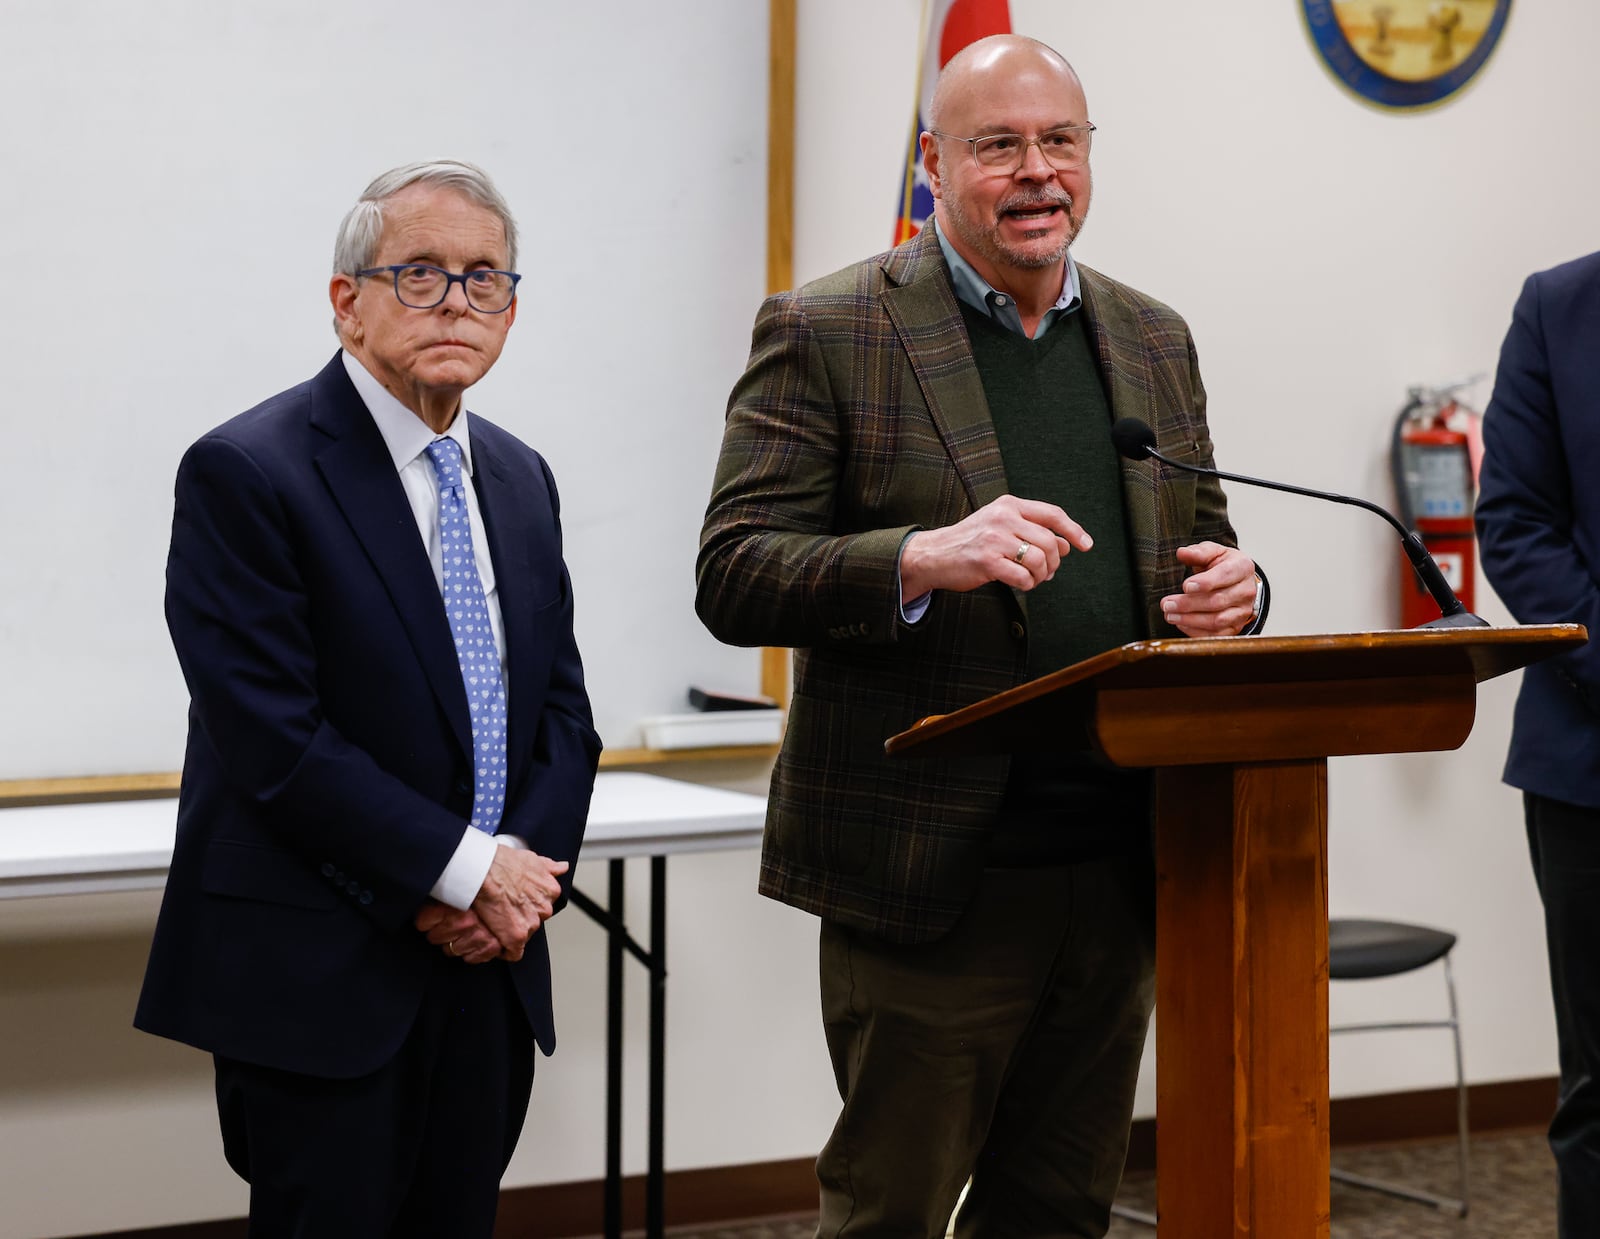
407	437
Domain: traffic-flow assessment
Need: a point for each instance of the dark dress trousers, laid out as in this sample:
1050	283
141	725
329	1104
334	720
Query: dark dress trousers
328	774
1538	519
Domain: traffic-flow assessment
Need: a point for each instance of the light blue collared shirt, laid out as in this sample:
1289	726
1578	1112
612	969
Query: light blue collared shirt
977	292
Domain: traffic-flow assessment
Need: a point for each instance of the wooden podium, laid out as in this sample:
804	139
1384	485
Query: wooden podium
1240	730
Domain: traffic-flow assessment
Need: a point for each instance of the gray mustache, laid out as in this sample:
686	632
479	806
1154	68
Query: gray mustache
1030	201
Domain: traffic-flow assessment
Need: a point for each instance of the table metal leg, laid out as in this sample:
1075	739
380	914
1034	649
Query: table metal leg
615	937
618	943
655	1181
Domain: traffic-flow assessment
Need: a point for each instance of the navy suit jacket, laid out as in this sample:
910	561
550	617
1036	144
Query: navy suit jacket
1538	519
328	773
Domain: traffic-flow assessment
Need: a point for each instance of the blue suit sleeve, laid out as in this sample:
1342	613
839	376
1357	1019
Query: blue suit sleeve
1525	513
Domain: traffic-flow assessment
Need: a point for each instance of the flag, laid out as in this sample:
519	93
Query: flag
949	25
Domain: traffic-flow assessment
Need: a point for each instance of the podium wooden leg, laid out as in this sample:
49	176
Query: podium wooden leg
1242	1001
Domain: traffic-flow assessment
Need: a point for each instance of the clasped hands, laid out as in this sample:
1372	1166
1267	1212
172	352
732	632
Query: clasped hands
1021	543
517	896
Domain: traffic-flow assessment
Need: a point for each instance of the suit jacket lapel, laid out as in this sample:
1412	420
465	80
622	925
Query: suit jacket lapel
1125	367
922	306
360	473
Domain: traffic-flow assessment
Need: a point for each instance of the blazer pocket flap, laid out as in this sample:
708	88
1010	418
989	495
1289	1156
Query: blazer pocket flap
248	871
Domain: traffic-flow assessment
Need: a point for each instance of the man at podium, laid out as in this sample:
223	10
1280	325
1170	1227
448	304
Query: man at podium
918	491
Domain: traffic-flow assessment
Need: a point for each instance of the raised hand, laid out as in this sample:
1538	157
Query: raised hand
1018	542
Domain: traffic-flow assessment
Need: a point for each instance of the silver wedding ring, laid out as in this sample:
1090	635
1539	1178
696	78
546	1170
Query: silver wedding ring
1022	552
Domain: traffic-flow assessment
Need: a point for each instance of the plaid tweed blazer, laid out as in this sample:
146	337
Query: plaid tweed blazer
860	418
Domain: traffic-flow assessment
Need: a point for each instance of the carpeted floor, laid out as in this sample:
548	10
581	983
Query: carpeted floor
1513	1196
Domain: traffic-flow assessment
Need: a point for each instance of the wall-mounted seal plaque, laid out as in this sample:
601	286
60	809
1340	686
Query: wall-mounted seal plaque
1405	54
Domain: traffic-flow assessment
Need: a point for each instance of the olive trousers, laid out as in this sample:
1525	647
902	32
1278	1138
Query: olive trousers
1005	1052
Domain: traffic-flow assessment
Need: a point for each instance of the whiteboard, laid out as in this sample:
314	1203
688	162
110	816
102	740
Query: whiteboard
174	174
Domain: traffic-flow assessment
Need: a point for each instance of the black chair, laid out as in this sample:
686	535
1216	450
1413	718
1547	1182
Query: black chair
1360	950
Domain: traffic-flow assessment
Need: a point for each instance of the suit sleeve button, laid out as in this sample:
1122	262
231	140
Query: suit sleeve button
364	898
327	869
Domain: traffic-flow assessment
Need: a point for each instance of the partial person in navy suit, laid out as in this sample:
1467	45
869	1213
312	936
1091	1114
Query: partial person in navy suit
1539	526
383	794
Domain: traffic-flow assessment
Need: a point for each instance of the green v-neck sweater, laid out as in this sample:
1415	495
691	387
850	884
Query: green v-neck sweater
1053	423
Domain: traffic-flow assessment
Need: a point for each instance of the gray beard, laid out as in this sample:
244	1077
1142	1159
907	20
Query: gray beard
987	241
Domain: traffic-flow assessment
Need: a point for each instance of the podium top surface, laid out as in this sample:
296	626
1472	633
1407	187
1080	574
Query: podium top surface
1218	662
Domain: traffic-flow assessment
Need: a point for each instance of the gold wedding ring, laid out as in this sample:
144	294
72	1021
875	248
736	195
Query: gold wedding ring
1022	552
450	948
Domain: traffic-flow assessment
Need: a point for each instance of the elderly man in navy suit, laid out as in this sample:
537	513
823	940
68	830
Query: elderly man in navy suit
1539	526
390	752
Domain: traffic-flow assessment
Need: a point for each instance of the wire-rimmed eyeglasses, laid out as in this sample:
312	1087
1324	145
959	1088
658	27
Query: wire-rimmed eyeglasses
1001	154
423	286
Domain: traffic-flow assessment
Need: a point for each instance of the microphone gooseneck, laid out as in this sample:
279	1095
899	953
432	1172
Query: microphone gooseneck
1135	440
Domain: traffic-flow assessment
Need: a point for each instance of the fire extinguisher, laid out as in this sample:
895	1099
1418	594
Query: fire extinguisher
1436	449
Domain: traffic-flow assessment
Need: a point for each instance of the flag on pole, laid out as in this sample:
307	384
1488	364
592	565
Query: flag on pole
948	26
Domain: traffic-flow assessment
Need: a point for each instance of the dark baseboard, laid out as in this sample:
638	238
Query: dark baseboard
767	1189
563	1210
1425	1114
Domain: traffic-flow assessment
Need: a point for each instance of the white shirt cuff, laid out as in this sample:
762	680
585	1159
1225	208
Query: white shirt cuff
917	607
463	877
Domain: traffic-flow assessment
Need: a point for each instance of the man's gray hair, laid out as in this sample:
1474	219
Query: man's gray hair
357	244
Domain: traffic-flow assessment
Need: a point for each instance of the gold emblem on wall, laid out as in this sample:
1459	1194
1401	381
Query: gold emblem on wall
1405	53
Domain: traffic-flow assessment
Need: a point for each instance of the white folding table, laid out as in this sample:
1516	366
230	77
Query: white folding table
77	849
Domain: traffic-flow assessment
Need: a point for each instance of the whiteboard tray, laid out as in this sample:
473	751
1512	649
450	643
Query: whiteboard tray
712	729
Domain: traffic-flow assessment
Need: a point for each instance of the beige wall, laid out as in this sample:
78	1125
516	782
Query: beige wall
1327	256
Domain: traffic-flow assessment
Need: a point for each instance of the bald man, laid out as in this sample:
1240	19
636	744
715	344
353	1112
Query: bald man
918	492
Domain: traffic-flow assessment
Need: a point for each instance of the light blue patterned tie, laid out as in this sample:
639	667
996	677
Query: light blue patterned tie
468	614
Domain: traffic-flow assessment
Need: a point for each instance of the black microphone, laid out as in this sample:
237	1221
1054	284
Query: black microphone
1136	441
